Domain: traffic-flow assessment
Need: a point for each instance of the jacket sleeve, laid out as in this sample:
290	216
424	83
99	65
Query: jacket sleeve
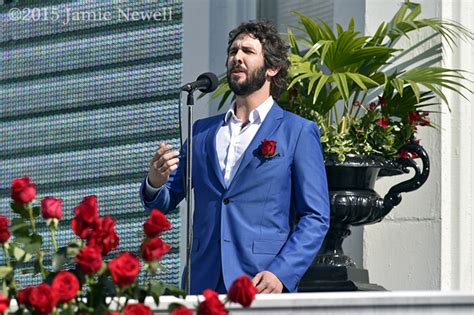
311	205
172	192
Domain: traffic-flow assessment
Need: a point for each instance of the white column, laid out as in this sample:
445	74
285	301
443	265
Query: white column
457	141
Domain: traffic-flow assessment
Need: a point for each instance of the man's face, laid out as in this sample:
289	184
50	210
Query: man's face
246	72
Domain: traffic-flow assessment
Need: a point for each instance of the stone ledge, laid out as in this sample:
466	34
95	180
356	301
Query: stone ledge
401	302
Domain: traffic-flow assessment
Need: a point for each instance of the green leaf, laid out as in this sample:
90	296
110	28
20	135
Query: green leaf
67	311
73	248
36	211
322	81
156	290
20	228
57	261
34	246
5	271
341	84
38	263
18	253
20	209
355	77
174	291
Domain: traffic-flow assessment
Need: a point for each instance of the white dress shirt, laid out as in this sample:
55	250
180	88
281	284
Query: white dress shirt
232	139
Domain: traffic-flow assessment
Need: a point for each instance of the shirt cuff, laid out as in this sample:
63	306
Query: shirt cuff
150	191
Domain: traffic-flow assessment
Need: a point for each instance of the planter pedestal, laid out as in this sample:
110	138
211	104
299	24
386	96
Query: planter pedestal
353	201
337	278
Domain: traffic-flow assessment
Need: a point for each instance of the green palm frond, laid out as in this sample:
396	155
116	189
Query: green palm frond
404	21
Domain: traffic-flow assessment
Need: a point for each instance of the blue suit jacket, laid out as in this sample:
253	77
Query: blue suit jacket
274	214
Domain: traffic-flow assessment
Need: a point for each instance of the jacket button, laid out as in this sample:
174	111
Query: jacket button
226	201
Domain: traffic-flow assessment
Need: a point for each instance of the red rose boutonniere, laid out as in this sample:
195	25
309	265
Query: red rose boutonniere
268	149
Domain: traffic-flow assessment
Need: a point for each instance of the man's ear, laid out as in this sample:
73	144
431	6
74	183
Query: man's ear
272	72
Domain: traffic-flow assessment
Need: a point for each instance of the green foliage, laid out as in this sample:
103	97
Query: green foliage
342	80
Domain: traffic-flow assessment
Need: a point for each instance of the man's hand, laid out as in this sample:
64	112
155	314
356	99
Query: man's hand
267	282
162	165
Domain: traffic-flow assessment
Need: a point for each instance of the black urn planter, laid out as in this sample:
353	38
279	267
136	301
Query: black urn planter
353	201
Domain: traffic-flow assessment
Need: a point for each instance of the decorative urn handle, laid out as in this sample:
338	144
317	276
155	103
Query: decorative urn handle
393	196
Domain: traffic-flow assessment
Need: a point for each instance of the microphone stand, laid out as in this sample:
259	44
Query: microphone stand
206	82
189	201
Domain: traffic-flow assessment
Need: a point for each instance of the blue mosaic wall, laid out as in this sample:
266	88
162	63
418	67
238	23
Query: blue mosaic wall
87	92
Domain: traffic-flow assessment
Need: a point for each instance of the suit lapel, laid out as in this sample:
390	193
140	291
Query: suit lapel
212	152
268	127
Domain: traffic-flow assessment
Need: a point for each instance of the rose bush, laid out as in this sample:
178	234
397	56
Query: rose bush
93	285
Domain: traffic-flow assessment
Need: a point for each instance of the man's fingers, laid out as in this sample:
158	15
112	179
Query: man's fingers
162	160
161	151
267	290
169	166
267	282
256	279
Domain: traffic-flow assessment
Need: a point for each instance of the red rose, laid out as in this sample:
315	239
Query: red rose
51	208
22	190
89	259
66	286
212	305
104	236
137	309
87	210
404	154
182	310
425	121
23	295
4	303
268	148
383	122
242	291
154	249
81	228
4	232
372	106
87	213
124	269
413	117
43	299
157	223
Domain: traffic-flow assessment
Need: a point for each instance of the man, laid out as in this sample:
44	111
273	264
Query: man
261	199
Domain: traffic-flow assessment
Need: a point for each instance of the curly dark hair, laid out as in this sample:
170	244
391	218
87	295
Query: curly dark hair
275	50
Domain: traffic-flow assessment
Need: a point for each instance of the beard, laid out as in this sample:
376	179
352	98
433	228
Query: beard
254	81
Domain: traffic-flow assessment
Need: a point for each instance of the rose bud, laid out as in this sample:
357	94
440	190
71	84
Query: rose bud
23	191
124	269
242	291
156	224
51	208
66	286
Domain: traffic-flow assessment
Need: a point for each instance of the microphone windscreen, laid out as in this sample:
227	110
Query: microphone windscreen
213	82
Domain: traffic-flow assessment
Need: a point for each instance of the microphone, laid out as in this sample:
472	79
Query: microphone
206	82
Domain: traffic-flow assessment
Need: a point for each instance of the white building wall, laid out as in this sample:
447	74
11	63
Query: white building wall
423	242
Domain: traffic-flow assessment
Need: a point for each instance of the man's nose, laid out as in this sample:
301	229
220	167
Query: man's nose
239	55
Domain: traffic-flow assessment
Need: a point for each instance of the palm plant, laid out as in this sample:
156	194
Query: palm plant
355	87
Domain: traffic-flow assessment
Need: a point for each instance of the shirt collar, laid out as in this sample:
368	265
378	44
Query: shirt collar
256	115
